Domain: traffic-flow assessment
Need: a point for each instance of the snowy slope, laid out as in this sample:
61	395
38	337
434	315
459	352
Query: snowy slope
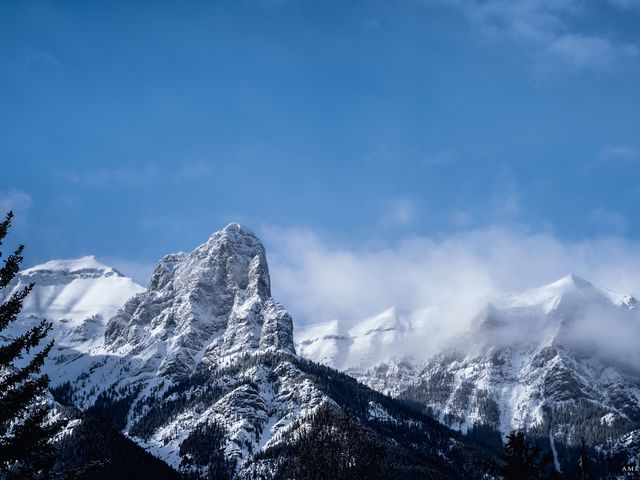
205	344
74	290
528	359
383	341
78	296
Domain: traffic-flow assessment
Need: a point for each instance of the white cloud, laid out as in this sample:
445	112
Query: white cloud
437	159
622	334
461	219
17	201
626	4
68	200
505	196
372	24
318	280
111	177
613	222
42	57
620	153
399	213
548	28
533	21
193	171
581	52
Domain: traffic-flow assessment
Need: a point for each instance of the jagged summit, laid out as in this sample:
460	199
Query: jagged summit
195	349
233	258
238	237
210	304
234	228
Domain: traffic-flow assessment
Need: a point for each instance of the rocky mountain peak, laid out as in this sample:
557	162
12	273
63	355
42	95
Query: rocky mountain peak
212	303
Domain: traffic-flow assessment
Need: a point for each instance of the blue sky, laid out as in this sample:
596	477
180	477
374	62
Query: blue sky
133	129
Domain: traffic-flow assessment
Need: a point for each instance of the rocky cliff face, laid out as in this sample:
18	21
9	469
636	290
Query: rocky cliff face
200	369
204	307
532	357
373	350
561	358
185	353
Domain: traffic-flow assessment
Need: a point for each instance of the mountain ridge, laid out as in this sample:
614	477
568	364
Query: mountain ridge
523	357
205	354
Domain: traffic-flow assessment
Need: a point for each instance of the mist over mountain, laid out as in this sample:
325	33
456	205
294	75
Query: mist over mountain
200	369
560	361
206	371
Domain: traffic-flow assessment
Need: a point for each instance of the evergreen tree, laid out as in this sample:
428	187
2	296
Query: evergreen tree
26	431
585	464
523	461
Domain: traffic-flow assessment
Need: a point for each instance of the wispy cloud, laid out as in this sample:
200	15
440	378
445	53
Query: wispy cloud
609	220
399	213
626	4
582	52
371	24
619	154
505	196
437	159
461	219
548	28
42	57
15	200
68	200
114	177
19	202
193	171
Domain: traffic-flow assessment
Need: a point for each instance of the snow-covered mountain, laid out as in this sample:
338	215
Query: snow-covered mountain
203	308
380	341
529	358
358	345
79	297
201	370
540	359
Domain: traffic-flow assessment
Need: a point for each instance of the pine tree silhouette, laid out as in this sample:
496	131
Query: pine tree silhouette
523	461
26	430
585	464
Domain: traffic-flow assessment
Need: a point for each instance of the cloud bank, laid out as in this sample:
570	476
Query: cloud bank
319	280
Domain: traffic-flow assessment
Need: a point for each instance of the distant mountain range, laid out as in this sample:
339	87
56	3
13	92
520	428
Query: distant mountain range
203	370
561	361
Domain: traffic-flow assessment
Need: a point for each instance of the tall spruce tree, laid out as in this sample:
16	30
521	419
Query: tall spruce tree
26	450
